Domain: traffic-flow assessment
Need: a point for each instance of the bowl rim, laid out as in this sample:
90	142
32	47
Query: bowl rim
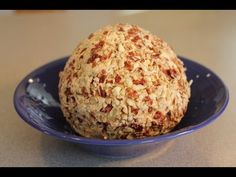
92	141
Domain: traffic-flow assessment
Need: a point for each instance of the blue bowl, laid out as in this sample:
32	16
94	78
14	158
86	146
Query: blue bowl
36	101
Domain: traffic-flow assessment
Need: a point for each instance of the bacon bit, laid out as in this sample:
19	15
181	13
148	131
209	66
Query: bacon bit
133	58
92	58
131	54
90	36
91	91
127	37
109	81
133	30
153	43
121	29
171	73
109	91
139	46
173	102
159	40
122	110
71	64
94	64
105	32
181	84
151	48
98	46
132	93
146	133
155	83
136	127
128	65
148	90
136	134
68	92
117	47
75	75
117	79
69	80
92	115
141	81
73	99
158	116
140	69
177	62
79	119
105	124
102	78
156	55
83	50
124	136
168	115
107	109
96	93
103	58
143	43
146	37
156	126
84	92
148	100
156	51
150	109
102	92
92	81
68	77
109	55
134	110
153	124
135	39
103	71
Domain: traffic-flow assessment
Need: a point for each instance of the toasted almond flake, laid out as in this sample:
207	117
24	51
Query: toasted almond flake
131	102
143	107
121	63
128	81
121	48
124	109
117	103
116	91
130	118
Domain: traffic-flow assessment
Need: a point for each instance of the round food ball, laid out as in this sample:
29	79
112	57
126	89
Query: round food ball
123	82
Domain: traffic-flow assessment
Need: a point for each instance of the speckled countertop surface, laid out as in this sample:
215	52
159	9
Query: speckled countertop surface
28	41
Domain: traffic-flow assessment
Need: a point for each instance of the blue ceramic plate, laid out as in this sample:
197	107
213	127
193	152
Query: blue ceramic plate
36	101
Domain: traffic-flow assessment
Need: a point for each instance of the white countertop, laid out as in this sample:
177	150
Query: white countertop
28	41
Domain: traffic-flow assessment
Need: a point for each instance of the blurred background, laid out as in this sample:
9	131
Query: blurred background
40	36
29	39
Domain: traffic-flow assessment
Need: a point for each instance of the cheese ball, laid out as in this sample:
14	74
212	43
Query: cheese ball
122	82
